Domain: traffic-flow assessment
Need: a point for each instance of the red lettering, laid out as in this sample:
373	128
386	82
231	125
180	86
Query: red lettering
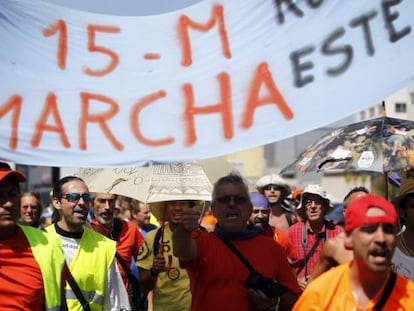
93	47
136	110
185	23
264	77
41	125
224	107
101	119
14	104
62	50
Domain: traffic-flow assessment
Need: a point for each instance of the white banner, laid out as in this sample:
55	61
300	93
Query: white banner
93	90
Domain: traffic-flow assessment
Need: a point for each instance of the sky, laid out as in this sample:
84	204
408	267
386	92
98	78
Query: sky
126	7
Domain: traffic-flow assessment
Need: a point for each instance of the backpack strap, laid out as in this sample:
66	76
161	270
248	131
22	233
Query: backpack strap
116	229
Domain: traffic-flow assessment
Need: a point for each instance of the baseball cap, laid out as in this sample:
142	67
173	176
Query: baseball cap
356	213
258	200
5	170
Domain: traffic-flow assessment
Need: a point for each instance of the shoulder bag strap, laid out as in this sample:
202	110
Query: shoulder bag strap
386	292
309	255
76	290
116	230
238	254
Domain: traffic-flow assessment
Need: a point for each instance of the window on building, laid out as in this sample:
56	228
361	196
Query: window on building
362	115
371	112
401	107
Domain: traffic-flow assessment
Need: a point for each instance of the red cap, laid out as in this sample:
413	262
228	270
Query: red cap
5	171
356	213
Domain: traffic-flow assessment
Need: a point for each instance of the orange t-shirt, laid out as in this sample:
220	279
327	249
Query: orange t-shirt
21	283
127	245
282	238
332	291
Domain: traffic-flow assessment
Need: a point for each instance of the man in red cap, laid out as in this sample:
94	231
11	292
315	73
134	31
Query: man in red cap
367	282
31	262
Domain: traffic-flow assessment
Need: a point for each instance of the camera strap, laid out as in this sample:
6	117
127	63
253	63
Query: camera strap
238	254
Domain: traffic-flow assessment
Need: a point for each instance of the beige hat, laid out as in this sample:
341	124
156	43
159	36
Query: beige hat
273	179
406	188
158	208
315	189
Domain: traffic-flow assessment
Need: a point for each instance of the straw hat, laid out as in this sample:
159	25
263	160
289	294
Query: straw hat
406	188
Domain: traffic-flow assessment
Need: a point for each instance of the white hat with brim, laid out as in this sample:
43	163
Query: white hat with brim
316	190
273	179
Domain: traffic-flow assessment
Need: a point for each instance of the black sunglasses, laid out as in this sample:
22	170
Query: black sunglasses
76	197
238	199
272	187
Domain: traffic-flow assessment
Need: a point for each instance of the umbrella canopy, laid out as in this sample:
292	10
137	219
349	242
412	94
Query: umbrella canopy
155	182
381	145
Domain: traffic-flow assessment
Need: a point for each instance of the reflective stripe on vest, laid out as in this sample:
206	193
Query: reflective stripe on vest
89	268
92	297
49	256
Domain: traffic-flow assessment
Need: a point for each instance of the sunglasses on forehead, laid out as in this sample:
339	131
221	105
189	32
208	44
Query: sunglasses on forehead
76	197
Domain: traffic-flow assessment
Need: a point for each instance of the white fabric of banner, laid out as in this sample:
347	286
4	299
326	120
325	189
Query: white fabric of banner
92	90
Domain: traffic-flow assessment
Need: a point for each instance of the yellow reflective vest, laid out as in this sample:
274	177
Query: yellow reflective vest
47	253
89	268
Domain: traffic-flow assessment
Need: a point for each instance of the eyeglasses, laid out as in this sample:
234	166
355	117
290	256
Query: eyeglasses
238	199
316	201
272	187
76	197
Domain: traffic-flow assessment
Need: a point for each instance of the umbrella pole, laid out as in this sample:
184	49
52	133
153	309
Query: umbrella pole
384	113
386	185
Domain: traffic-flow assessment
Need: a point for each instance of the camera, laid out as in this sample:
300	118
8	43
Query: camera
268	286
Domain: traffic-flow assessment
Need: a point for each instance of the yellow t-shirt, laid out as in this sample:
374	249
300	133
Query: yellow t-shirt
172	290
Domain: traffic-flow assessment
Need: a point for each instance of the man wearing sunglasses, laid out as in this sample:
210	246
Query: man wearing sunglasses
218	277
276	190
90	256
367	282
31	262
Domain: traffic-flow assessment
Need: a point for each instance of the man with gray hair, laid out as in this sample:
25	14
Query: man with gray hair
309	235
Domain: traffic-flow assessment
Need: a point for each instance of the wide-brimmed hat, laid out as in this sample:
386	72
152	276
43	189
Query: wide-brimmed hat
406	188
158	208
5	170
273	179
317	190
